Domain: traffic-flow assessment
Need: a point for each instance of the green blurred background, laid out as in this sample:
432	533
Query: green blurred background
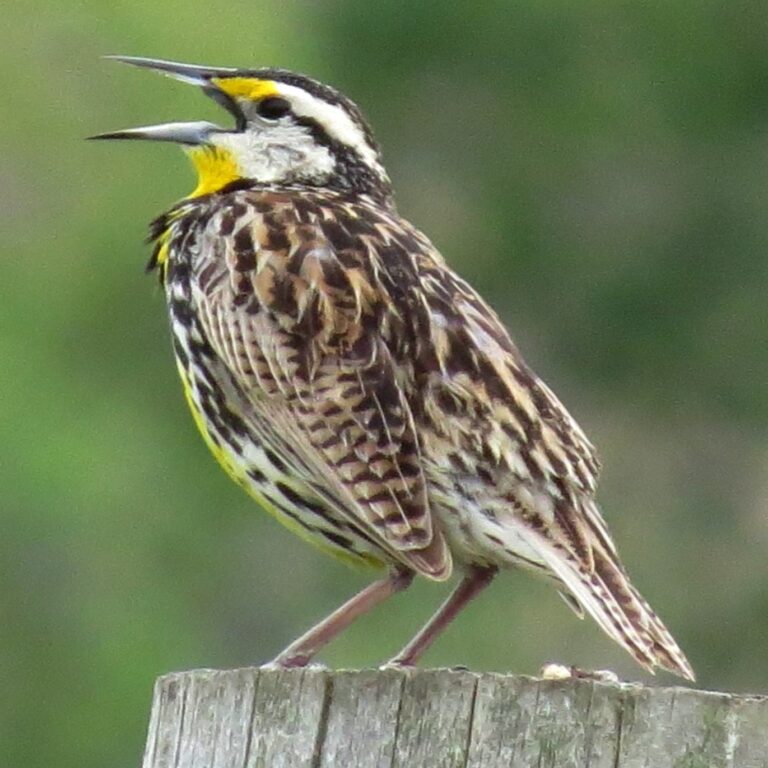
598	171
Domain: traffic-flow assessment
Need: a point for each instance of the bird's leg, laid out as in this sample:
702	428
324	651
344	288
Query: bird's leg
474	582
300	651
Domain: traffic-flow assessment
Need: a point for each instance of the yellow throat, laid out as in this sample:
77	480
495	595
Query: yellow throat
216	167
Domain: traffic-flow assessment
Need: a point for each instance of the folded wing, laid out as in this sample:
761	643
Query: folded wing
307	337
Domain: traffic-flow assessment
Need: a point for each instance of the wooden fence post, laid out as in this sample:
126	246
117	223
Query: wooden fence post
249	718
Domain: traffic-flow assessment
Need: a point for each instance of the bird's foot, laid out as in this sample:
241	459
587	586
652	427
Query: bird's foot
397	664
561	672
292	662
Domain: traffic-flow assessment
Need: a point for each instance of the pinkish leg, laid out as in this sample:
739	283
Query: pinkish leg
300	651
475	581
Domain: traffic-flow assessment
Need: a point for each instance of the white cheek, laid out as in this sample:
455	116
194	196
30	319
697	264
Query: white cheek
278	153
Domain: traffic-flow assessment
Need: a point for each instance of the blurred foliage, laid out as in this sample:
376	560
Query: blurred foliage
597	170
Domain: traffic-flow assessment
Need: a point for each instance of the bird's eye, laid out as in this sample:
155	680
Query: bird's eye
273	108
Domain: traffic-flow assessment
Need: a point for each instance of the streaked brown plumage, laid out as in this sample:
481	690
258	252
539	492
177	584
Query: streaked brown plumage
359	388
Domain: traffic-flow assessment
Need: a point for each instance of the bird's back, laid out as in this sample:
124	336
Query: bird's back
337	315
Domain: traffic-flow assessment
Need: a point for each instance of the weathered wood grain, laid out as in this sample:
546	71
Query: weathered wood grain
264	718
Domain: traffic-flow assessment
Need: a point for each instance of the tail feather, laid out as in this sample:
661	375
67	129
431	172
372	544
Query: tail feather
622	612
605	593
667	650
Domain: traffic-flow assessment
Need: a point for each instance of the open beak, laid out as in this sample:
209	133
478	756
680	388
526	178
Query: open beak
192	133
181	133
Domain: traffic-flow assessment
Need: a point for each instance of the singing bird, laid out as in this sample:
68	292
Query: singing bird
354	384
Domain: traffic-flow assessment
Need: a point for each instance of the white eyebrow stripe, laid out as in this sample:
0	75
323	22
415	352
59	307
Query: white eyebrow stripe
334	119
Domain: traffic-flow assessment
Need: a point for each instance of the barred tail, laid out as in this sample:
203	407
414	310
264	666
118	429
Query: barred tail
609	597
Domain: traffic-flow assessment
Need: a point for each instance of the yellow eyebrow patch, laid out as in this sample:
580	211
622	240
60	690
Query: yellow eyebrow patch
246	87
216	167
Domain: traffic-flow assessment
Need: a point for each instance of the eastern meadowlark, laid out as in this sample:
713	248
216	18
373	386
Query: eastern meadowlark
354	385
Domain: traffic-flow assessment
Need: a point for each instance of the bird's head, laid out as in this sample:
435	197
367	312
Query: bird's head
289	130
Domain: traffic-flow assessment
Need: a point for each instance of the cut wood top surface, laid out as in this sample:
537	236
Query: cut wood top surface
422	718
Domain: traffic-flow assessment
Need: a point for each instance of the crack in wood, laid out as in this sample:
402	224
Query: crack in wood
322	726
